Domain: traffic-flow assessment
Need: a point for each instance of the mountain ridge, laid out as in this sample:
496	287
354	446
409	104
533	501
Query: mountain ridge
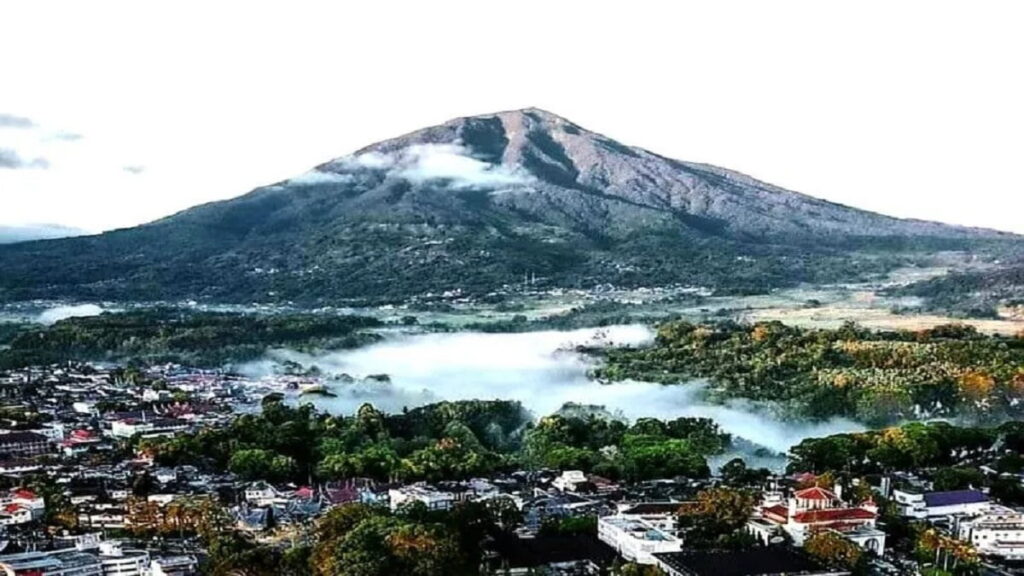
472	204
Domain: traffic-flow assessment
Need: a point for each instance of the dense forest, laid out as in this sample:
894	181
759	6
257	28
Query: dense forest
951	455
446	441
873	377
972	294
202	339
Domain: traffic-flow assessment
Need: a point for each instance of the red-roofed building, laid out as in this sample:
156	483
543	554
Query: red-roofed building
814	509
20	506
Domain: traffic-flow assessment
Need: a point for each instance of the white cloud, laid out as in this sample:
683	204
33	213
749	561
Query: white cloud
536	368
54	315
451	162
318	177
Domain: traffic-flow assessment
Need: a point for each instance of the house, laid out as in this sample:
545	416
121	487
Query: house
767	561
103	518
933	504
998	531
433	499
570	481
18	466
147	427
117	561
814	509
261	494
174	566
635	540
20	506
24	444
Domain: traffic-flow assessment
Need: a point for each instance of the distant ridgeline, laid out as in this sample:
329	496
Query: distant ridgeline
201	339
873	377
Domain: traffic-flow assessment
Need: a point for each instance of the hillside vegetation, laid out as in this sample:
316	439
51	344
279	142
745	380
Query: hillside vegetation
873	377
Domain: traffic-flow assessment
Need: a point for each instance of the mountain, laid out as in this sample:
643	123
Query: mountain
473	204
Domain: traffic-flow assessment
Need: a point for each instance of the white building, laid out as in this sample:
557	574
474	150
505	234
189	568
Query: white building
662	515
431	498
260	494
934	504
635	540
56	563
816	509
20	506
174	566
570	480
129	427
117	561
999	531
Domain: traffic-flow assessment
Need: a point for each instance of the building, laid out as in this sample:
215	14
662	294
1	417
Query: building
635	540
261	494
770	561
816	509
24	444
147	427
662	515
431	498
933	504
999	532
570	481
116	561
174	566
57	563
21	506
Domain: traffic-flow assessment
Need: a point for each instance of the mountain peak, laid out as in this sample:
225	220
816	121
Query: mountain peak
471	204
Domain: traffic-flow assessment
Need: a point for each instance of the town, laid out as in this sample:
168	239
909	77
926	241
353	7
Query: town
105	472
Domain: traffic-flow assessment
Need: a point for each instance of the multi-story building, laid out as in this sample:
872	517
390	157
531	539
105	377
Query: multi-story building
934	504
998	531
174	566
20	506
24	444
117	561
433	499
635	540
57	563
815	509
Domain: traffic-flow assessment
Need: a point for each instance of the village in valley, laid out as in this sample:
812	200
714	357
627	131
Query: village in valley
88	490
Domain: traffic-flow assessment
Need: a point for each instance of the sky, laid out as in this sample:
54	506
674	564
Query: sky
117	113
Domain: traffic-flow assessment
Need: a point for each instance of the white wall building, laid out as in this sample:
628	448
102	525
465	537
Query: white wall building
816	509
635	540
431	498
56	563
999	531
934	504
116	561
569	480
20	506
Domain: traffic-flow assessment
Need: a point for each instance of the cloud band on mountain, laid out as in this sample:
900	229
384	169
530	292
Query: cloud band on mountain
451	163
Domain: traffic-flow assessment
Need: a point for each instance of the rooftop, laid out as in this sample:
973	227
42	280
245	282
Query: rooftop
934	499
751	562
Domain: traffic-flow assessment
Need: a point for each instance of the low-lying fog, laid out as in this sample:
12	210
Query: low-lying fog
537	368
